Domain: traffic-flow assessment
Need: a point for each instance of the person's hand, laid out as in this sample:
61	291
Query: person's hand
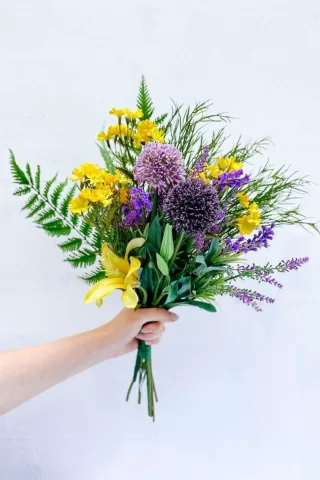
129	325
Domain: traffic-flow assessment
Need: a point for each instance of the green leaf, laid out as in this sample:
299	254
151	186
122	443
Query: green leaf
162	265
167	246
144	101
107	158
154	237
74	219
179	289
97	241
203	305
213	250
45	216
31	201
58	192
71	244
37	209
29	173
64	209
95	276
201	259
48	185
202	270
161	119
146	280
18	175
83	258
22	191
56	228
173	292
37	178
85	228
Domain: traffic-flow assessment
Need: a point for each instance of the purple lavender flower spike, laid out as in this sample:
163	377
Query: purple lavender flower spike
234	179
293	264
199	166
199	241
259	240
160	166
249	297
140	204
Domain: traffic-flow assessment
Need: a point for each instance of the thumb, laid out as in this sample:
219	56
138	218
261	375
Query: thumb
146	315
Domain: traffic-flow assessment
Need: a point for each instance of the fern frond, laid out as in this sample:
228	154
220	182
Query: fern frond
161	118
144	101
22	191
37	178
95	276
48	185
58	192
83	258
46	215
64	209
85	228
56	228
17	173
74	219
37	209
97	240
108	160
29	174
71	244
31	201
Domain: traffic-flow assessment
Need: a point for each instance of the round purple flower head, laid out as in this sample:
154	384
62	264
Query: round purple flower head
193	207
160	166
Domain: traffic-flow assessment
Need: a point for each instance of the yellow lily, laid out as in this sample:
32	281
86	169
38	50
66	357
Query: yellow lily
122	274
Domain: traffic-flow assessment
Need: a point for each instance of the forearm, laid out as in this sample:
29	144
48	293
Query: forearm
28	372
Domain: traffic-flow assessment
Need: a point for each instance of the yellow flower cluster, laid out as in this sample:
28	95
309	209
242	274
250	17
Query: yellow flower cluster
142	132
97	186
247	223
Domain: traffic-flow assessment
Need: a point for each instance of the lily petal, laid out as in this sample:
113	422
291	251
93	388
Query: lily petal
115	267
132	276
135	243
130	298
103	288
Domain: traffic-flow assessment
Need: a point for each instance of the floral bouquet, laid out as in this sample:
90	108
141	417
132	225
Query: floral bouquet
171	215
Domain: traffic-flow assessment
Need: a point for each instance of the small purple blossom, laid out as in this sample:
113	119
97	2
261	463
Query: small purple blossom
199	241
192	206
293	264
260	274
140	204
199	166
249	297
160	166
235	179
259	240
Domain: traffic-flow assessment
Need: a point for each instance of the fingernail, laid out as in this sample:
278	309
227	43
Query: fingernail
174	316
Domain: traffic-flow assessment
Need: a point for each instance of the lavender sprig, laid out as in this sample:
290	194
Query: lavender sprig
234	179
199	166
259	240
257	273
139	205
248	297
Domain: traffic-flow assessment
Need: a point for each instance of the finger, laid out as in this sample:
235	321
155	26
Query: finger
146	315
151	331
154	342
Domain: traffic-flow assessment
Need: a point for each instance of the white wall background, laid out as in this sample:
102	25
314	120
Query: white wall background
240	391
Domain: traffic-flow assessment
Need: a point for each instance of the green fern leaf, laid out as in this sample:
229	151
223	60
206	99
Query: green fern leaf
37	209
46	215
66	201
83	258
18	175
106	158
95	276
48	185
22	191
29	173
56	228
31	201
58	192
75	219
161	119
71	244
85	228
144	101
37	178
97	241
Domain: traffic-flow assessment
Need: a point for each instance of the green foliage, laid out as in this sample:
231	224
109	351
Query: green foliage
107	158
95	276
144	100
50	212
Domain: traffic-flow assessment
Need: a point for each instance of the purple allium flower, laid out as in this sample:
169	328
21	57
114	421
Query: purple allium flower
259	240
199	166
160	166
192	206
249	297
235	179
293	264
140	204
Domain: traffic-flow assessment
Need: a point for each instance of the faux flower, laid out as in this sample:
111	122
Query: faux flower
192	206
229	164
79	205
122	274
119	112
117	131
160	166
102	136
146	131
84	172
124	197
139	205
243	199
134	114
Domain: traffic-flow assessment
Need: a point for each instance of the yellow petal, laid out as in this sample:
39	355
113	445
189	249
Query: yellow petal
135	243
99	302
132	276
114	266
130	298
103	288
